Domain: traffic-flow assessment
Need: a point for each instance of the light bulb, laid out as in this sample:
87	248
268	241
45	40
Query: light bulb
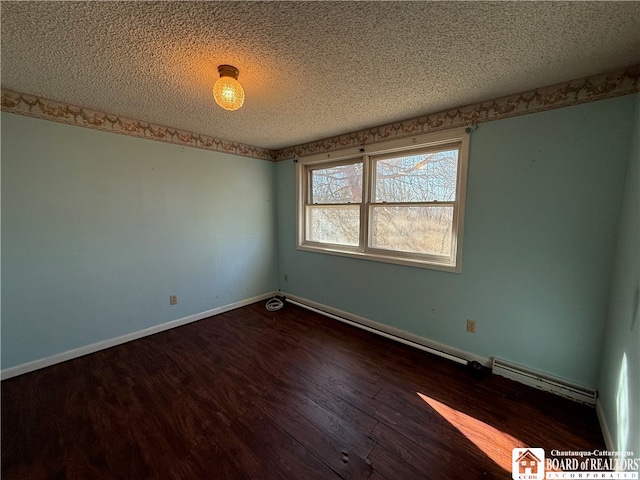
227	91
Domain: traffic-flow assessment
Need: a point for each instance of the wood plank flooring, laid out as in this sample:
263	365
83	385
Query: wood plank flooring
275	395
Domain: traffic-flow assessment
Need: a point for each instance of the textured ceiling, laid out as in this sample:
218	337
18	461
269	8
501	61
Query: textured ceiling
310	70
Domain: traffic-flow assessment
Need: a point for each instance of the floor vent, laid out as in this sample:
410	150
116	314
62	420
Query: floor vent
545	382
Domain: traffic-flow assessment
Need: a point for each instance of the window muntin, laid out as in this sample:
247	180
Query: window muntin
402	203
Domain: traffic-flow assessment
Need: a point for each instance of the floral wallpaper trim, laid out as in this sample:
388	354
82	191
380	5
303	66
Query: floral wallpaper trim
597	87
32	106
620	82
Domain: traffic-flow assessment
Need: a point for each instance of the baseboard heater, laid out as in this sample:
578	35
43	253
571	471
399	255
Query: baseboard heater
545	382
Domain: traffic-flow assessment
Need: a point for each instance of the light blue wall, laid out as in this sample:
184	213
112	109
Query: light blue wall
619	382
99	229
544	196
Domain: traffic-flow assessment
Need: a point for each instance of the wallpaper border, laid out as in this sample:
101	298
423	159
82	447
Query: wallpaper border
624	81
620	82
46	109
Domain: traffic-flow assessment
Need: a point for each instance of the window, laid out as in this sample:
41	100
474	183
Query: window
401	201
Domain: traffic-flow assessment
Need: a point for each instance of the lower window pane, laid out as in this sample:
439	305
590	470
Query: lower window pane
334	224
422	229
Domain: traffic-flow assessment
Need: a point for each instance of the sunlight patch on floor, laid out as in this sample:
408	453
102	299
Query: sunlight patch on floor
494	443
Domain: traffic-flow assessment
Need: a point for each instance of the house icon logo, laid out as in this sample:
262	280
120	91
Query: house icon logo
527	464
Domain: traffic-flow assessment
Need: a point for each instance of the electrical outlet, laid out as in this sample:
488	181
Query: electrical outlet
173	299
471	326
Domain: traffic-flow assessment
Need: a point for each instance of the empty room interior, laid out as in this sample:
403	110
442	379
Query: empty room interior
384	240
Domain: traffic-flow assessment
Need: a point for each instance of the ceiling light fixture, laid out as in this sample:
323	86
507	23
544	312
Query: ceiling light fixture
227	91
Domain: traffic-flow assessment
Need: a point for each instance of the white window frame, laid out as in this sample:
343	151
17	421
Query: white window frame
367	154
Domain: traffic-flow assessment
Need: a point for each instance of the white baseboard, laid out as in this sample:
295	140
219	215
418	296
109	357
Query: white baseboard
604	426
543	381
111	342
523	375
392	333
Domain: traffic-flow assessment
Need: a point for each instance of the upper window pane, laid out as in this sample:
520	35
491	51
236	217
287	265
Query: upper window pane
425	177
339	184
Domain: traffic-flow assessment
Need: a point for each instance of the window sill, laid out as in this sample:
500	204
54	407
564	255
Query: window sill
377	257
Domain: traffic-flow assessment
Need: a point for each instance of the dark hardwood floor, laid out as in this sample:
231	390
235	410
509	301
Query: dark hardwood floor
269	395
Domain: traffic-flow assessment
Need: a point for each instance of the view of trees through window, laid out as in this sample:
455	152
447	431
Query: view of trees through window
336	194
422	184
411	208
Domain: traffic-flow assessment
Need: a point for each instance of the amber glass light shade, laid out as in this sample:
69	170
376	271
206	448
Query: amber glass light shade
227	91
